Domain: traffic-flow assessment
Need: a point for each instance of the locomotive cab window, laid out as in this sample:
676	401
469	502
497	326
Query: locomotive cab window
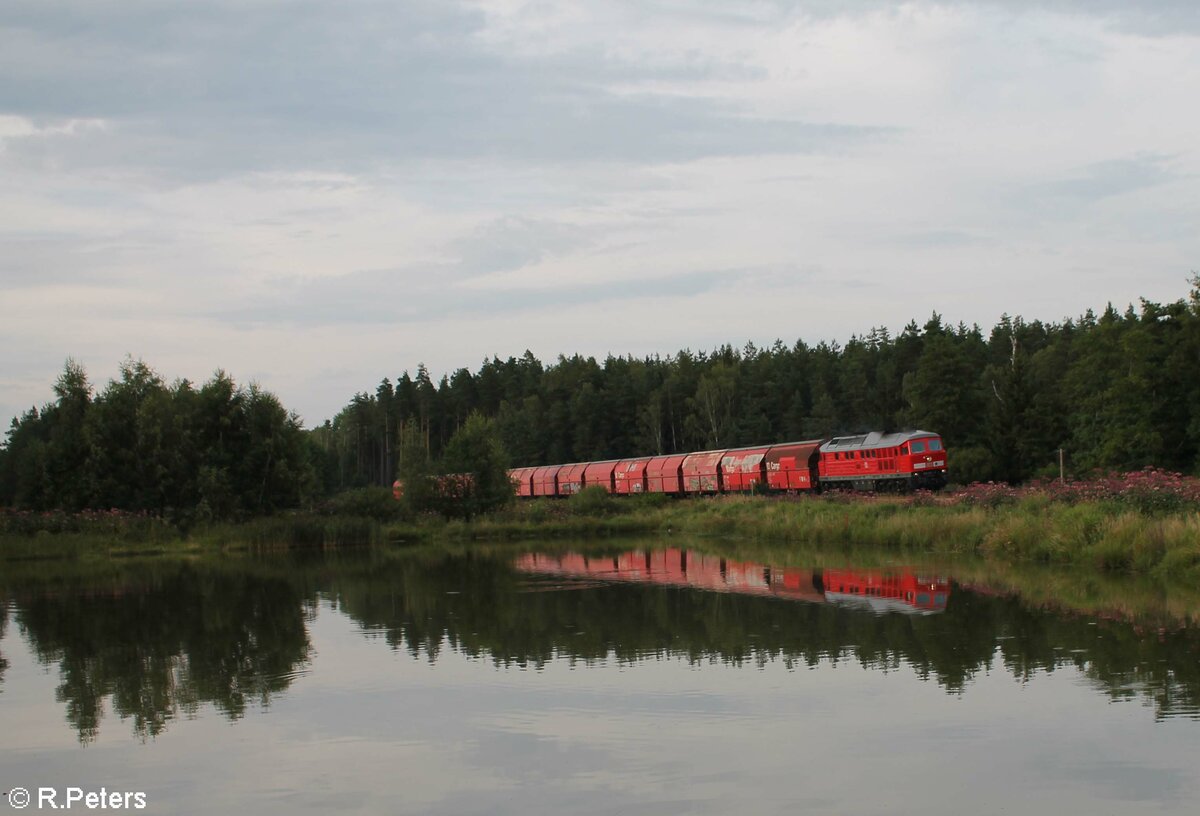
918	447
903	450
935	444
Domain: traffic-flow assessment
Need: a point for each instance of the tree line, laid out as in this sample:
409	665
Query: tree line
191	454
1115	391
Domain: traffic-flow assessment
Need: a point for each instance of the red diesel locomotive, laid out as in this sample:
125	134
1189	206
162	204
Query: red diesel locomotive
873	461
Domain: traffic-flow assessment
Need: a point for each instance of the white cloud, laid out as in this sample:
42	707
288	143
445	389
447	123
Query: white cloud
318	195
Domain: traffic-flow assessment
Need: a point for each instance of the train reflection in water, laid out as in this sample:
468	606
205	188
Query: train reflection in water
881	591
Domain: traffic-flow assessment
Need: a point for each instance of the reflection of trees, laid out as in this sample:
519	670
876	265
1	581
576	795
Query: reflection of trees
156	641
483	611
486	610
1161	668
3	629
161	643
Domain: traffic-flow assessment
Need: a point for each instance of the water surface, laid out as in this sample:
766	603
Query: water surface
634	678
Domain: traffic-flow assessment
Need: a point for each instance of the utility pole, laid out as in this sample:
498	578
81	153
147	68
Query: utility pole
1062	473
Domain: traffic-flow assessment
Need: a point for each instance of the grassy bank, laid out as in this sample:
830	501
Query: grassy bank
1107	534
111	537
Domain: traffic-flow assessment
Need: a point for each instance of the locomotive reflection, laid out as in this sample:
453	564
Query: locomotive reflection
880	591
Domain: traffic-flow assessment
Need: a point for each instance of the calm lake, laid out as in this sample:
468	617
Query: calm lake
633	678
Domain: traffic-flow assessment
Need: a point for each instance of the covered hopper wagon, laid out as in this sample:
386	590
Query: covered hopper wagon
872	461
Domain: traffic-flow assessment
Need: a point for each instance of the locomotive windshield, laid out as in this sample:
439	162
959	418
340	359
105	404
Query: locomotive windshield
919	445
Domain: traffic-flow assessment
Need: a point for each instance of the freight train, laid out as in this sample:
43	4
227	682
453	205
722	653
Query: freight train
873	461
901	590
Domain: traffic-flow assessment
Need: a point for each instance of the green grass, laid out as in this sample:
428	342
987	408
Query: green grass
295	531
275	532
45	545
1107	536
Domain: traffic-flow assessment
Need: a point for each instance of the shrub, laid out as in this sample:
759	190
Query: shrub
592	501
376	503
971	463
645	501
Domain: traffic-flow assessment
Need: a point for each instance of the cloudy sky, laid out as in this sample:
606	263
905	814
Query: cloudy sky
315	195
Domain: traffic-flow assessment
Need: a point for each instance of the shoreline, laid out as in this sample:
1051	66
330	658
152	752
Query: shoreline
1104	535
1155	601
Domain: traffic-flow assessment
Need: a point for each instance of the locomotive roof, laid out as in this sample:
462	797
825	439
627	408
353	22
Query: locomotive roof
874	439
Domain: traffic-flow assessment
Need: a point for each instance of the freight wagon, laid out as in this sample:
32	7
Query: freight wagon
872	461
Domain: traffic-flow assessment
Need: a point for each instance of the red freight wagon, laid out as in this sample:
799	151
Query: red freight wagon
663	474
742	469
702	472
600	473
545	480
629	476
522	479
792	466
570	478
